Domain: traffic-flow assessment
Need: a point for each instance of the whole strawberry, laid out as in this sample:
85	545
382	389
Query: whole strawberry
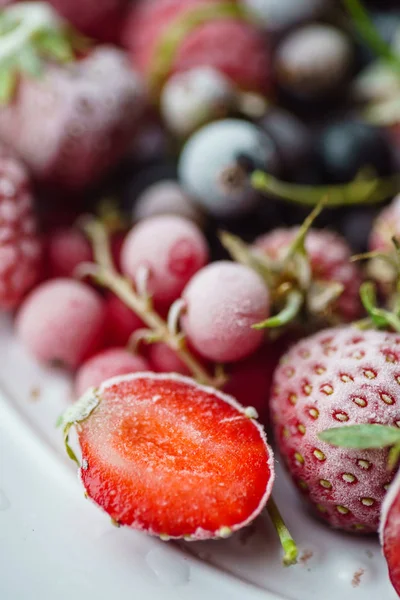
338	377
69	120
329	260
390	532
211	33
20	249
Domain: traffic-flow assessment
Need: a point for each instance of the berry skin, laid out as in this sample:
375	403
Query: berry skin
223	301
121	321
62	322
233	47
98	19
313	60
348	146
390	532
386	226
106	364
337	377
329	257
163	359
70	128
172	248
215	163
166	198
193	98
165	455
20	249
65	249
279	16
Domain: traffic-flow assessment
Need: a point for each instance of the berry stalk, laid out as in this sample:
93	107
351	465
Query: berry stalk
104	272
359	191
287	542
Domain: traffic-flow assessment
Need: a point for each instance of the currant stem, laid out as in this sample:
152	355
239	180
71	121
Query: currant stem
356	192
294	302
106	275
287	542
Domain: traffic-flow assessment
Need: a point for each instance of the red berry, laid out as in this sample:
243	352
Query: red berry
338	377
234	47
70	128
329	256
20	250
386	226
121	321
65	250
106	364
171	247
390	532
165	455
62	322
223	301
99	19
164	360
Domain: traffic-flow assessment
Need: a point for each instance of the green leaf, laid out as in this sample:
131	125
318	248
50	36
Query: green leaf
54	45
394	457
294	302
29	61
8	82
361	437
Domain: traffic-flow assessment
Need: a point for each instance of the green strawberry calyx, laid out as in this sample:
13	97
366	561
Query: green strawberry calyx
32	33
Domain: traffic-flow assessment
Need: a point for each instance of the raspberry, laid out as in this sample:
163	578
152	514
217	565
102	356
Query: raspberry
20	249
62	322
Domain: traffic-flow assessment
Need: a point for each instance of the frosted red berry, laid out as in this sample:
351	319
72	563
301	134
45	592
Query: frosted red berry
62	322
390	532
106	364
172	248
20	248
65	249
121	321
335	378
223	301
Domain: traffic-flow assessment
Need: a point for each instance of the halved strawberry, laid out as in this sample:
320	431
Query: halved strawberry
162	454
390	532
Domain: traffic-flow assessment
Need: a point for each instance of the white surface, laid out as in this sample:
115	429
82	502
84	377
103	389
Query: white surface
54	544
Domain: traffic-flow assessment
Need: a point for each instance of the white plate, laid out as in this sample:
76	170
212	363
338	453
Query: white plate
55	545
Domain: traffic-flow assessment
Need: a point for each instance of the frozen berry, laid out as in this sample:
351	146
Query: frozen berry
231	45
173	249
223	301
195	97
121	321
106	364
166	198
216	161
277	16
20	249
65	249
62	322
163	359
313	60
348	146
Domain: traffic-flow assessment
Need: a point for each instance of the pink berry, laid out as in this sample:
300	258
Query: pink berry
164	360
65	250
172	248
62	321
386	226
106	364
223	301
166	197
121	321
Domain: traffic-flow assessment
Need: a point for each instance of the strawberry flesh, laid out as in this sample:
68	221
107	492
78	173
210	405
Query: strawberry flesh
167	456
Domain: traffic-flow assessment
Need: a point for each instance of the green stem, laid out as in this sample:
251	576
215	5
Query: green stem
287	542
371	35
294	302
355	192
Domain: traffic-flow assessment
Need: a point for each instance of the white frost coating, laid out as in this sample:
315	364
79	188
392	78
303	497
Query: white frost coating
32	17
390	498
200	533
81	409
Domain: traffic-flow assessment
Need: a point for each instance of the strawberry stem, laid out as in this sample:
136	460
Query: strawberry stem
287	542
294	302
359	191
105	274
